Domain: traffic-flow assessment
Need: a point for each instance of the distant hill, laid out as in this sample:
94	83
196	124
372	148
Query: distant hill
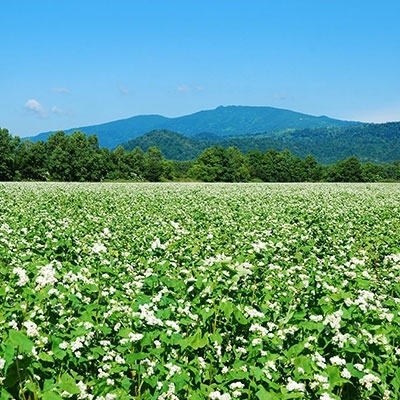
369	142
224	122
247	128
173	145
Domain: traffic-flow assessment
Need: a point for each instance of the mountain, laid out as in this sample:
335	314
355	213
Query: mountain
224	122
377	143
173	145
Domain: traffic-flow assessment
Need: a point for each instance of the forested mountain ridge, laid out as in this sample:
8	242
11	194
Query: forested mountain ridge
369	142
224	122
173	145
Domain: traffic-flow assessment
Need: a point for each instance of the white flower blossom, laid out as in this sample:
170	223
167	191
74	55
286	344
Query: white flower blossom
295	386
368	380
22	276
31	328
46	276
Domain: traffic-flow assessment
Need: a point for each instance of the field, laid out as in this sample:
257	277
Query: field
199	291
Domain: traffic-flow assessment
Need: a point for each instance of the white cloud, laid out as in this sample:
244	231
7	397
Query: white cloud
186	88
57	110
183	88
35	107
61	90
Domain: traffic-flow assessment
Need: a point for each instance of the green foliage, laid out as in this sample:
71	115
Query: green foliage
198	291
78	158
8	145
174	146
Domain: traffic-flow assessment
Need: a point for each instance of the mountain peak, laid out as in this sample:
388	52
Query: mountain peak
224	121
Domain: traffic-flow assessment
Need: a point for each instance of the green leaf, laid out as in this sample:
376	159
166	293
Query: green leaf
196	396
133	357
354	372
19	339
51	396
262	394
294	350
4	395
46	357
240	318
9	353
227	307
68	384
199	341
396	381
303	362
334	376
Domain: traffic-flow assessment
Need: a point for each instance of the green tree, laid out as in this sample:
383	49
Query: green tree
31	160
312	170
255	164
348	170
209	165
154	166
135	161
236	166
8	146
371	172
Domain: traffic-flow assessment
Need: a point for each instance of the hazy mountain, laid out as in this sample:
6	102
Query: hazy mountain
230	121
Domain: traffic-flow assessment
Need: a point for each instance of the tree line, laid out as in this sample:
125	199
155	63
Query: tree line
78	157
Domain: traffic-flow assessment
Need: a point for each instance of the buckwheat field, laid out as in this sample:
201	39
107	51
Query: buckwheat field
199	291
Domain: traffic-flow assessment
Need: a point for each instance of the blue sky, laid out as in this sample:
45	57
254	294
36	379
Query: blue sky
71	63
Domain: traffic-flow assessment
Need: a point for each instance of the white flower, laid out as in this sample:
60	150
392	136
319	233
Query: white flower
316	318
224	369
77	343
23	277
46	276
334	319
157	244
173	369
202	362
31	328
134	337
259	328
253	313
319	360
325	396
119	359
345	374
2	363
295	386
368	380
217	395
98	248
360	367
336	360
236	385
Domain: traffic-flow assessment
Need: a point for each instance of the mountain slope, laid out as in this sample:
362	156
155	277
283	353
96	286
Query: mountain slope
369	142
173	145
230	121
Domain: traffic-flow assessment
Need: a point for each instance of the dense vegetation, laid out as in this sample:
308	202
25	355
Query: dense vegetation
368	142
78	157
199	291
